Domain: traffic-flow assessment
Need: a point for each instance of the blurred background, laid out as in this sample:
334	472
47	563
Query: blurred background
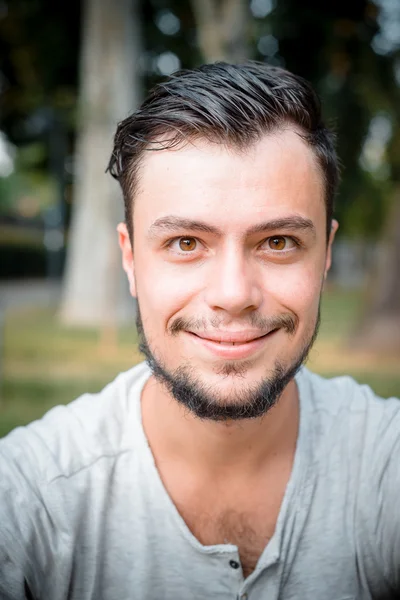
68	75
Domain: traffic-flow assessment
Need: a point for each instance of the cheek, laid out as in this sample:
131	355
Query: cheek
164	289
298	288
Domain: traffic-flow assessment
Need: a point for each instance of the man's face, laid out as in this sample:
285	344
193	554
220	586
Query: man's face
228	262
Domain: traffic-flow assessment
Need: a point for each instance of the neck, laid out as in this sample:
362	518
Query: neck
214	447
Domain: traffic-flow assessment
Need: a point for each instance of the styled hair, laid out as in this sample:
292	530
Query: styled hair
230	104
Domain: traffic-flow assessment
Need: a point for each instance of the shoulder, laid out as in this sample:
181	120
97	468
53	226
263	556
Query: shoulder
70	437
51	472
357	445
353	427
343	402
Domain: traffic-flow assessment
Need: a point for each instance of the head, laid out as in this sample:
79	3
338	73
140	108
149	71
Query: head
228	177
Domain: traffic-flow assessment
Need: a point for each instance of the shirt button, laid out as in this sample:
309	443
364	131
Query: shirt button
234	564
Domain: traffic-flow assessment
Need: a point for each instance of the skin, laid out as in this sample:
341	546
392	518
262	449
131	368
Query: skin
226	280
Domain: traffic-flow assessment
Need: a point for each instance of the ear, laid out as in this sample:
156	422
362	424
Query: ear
127	256
328	261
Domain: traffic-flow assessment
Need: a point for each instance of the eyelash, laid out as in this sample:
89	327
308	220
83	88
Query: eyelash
296	241
181	237
293	239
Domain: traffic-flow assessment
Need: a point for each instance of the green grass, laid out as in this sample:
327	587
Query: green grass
45	364
340	312
385	386
24	399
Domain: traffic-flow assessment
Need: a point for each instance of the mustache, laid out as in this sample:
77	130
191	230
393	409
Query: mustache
286	321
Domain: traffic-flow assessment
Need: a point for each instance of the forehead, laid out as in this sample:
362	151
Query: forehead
276	176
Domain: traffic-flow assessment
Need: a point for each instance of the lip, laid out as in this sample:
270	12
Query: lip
244	346
236	337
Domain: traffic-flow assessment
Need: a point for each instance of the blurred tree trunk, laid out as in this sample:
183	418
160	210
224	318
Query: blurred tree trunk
93	291
380	329
222	29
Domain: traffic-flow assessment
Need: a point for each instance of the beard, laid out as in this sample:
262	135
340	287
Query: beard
249	402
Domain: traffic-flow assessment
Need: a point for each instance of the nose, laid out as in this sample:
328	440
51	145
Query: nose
233	285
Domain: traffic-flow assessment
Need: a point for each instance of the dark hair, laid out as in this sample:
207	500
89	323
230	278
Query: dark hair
231	104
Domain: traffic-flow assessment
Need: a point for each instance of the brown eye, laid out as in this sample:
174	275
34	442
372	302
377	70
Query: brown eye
277	243
187	244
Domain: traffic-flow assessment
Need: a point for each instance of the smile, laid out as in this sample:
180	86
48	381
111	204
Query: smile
231	345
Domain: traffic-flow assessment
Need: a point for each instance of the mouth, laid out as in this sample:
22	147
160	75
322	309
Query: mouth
236	341
231	346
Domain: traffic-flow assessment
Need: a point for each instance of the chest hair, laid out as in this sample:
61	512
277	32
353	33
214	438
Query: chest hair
250	532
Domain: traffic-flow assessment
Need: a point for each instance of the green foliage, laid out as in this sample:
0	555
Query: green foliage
39	46
29	188
364	216
330	43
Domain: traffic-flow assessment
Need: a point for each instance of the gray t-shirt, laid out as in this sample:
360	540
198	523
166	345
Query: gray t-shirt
84	514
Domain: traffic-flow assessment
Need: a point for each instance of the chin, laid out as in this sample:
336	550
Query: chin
250	371
228	378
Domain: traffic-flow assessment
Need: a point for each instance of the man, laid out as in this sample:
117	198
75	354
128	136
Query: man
219	469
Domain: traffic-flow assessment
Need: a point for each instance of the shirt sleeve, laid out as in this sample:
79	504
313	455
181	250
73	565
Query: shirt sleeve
378	521
25	522
388	509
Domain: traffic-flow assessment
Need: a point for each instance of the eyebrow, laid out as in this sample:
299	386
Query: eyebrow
172	224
